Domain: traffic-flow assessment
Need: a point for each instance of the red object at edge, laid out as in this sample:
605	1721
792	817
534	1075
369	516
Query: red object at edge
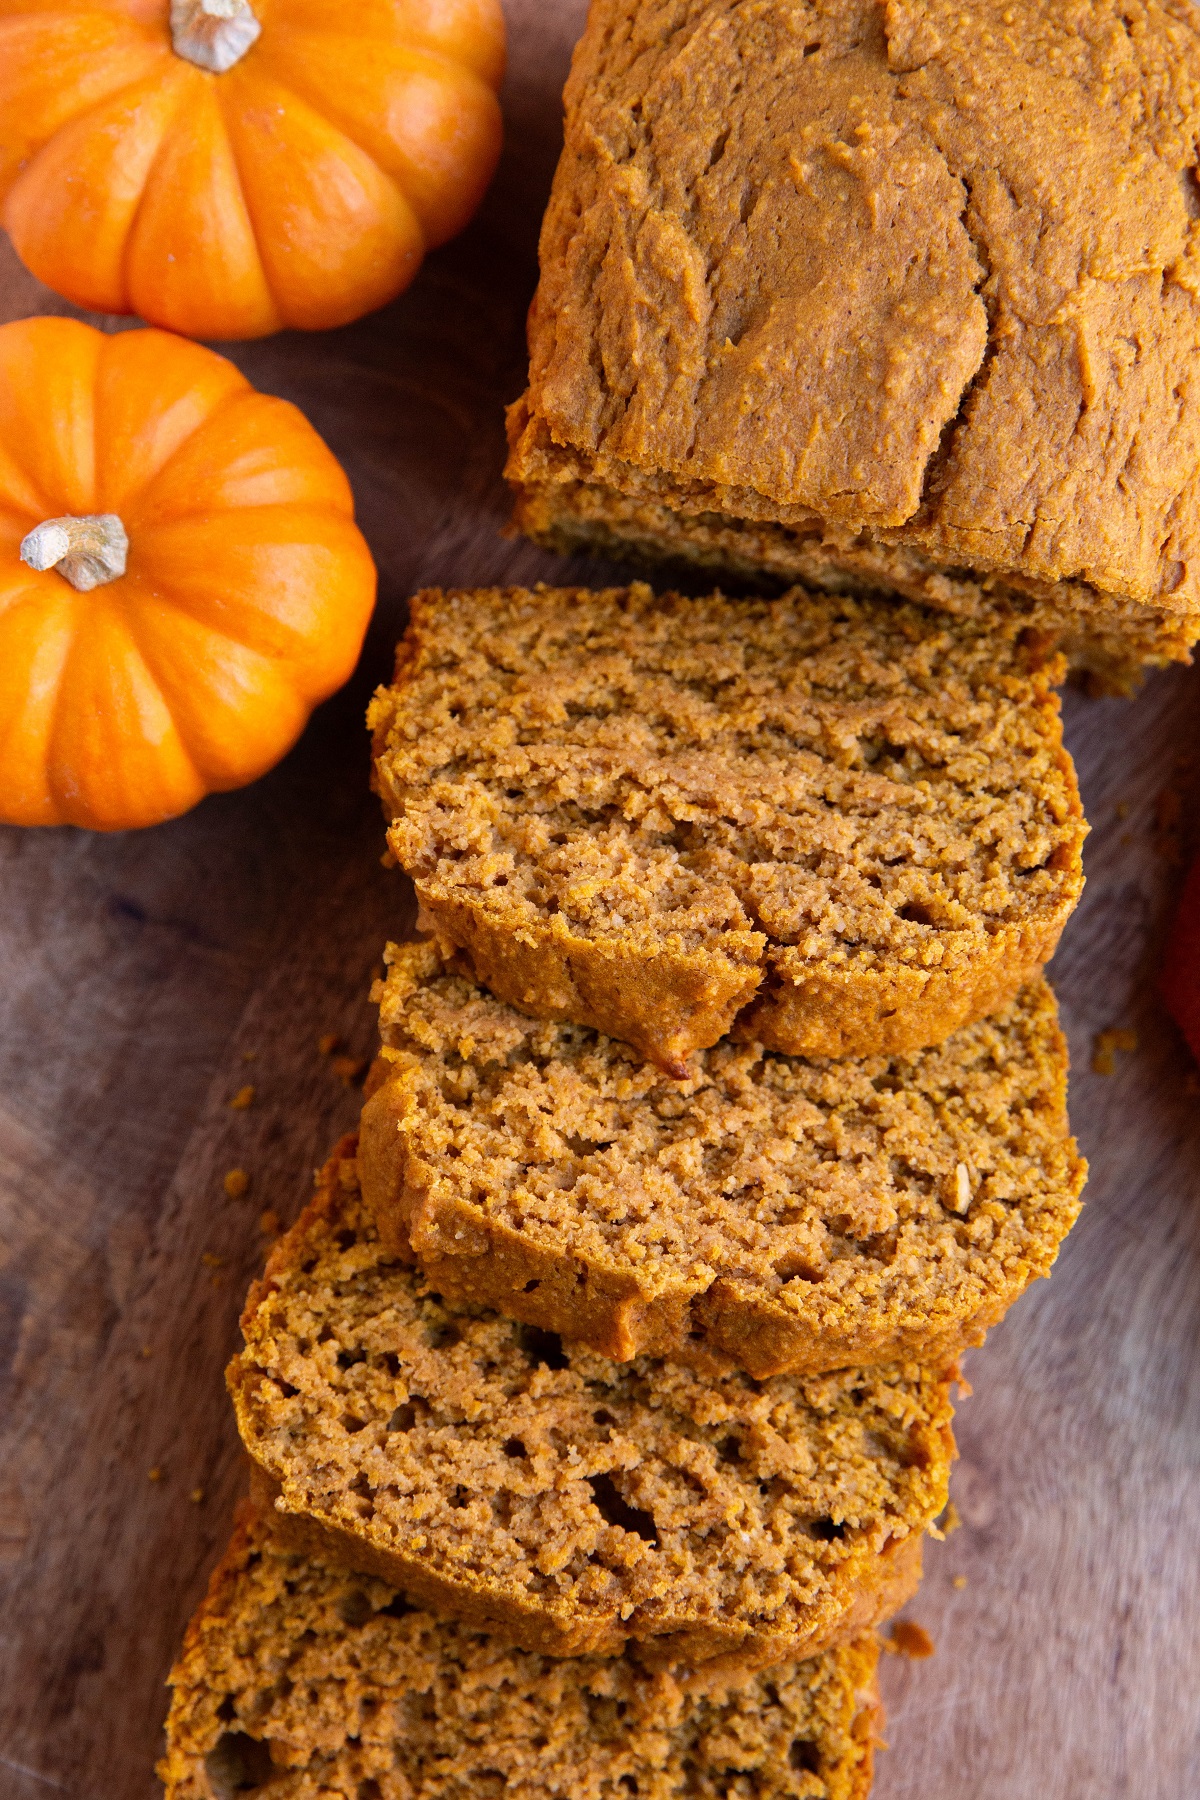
1179	982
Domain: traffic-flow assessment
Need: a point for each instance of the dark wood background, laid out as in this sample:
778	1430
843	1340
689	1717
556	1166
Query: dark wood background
146	977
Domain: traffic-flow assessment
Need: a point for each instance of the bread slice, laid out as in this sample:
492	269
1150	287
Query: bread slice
575	1504
899	294
785	1214
302	1681
644	813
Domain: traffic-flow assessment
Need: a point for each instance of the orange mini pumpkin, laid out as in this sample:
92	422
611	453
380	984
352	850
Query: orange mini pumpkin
181	578
228	167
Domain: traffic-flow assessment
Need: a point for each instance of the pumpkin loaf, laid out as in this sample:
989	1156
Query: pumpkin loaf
304	1682
572	1503
785	1214
904	294
852	822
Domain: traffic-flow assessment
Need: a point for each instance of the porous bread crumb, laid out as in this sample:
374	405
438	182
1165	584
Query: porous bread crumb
905	293
573	1503
786	1213
328	1683
853	819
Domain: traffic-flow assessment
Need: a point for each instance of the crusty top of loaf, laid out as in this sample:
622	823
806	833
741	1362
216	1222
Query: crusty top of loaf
912	1189
552	1479
864	781
349	1690
928	268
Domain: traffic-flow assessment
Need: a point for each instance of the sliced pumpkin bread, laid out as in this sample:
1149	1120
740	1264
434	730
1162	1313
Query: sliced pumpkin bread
848	824
789	1214
531	1486
305	1682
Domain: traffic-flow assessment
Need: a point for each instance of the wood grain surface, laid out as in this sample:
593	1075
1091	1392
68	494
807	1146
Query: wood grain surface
146	977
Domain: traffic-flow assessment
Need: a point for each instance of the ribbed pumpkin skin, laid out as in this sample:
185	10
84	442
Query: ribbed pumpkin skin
246	596
302	187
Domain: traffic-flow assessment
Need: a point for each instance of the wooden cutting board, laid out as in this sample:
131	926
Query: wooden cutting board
145	978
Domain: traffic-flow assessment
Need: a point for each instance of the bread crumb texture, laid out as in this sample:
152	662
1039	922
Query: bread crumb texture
644	813
572	1502
313	1684
1105	640
917	276
790	1214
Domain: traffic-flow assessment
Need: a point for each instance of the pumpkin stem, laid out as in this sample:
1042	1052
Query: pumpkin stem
213	34
86	551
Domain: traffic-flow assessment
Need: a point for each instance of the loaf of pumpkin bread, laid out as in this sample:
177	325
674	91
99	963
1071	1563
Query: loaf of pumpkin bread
781	1213
848	821
305	1682
572	1503
901	294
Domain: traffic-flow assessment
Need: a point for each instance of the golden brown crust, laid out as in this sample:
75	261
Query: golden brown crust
566	1502
630	810
862	1596
325	1682
472	1605
781	1214
837	1012
663	1005
921	275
